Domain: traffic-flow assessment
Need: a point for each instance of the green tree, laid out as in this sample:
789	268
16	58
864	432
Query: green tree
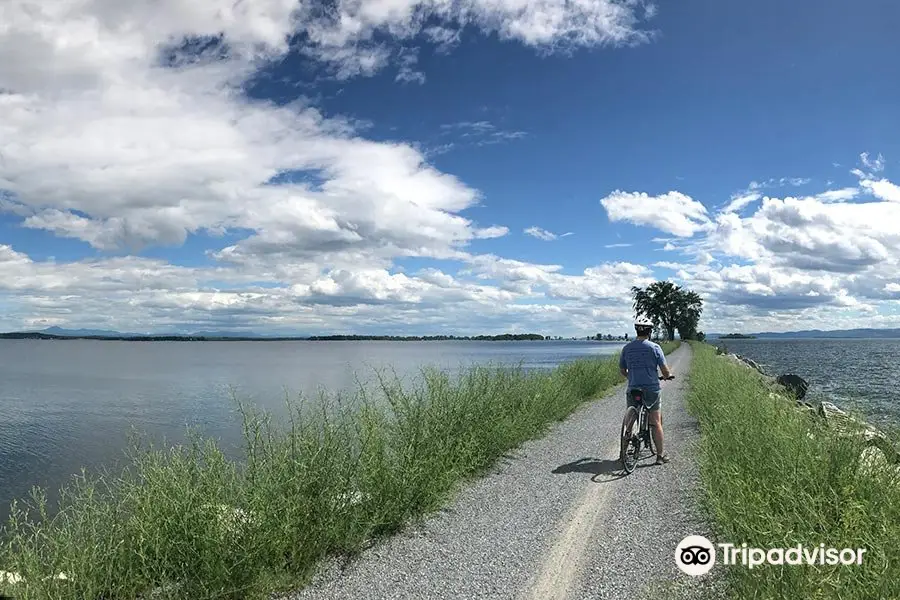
690	307
669	307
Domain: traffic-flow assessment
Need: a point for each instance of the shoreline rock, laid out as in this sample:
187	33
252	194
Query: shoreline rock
878	449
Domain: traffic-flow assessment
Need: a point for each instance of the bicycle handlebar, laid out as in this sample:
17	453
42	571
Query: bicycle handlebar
667	378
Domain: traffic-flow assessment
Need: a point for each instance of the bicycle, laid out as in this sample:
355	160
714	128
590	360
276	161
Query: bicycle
630	448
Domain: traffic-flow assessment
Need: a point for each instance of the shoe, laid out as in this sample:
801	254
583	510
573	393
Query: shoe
662	459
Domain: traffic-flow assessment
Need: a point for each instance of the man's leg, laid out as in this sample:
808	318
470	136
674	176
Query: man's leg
628	420
656	430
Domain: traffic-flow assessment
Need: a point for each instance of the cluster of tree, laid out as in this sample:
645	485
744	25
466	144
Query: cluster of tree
36	335
202	338
670	308
737	336
428	338
610	337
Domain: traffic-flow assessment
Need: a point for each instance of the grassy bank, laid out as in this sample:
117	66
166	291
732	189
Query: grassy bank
774	477
324	480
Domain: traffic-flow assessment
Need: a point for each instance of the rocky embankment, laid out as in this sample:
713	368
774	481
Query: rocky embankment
879	451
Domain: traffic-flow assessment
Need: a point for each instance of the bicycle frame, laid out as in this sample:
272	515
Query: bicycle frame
642	422
636	441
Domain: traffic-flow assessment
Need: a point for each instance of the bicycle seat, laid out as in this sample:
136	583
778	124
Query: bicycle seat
636	394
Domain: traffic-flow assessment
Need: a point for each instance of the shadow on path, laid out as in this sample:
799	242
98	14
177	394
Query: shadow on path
601	469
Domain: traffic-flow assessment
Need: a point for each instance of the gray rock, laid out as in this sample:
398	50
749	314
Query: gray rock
795	384
847	425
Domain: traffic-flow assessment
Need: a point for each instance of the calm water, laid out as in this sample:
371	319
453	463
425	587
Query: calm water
856	374
68	404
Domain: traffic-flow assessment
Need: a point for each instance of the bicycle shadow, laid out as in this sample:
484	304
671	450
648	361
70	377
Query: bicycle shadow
602	470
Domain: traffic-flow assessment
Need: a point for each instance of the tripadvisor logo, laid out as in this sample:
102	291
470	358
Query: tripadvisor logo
696	555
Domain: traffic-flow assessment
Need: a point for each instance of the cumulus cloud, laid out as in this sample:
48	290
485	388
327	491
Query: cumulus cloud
882	189
840	195
124	125
754	192
135	294
831	259
672	212
127	125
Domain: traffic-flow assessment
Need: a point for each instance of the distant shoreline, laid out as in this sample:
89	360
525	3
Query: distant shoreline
327	338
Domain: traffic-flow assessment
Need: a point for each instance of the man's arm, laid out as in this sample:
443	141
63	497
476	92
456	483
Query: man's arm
661	362
622	369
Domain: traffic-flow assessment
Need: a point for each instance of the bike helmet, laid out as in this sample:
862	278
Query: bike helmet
643	323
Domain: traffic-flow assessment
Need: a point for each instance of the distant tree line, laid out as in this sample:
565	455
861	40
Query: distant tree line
610	337
429	338
195	338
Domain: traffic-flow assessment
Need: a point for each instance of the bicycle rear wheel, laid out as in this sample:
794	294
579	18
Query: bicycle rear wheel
650	445
630	446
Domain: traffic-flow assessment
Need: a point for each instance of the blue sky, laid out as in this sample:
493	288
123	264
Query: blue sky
410	167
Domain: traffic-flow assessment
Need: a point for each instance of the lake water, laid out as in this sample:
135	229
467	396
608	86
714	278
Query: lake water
855	374
68	404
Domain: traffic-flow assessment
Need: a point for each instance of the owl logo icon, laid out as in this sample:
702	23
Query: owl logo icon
695	555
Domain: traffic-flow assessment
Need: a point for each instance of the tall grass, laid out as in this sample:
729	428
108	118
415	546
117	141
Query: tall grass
774	477
323	480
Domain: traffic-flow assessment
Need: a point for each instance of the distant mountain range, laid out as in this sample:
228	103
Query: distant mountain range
818	333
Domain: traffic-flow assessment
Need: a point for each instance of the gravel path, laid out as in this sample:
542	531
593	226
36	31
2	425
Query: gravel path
555	520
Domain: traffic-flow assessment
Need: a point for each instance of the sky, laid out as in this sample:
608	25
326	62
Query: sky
447	166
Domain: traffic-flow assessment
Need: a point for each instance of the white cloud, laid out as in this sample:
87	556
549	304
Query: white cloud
778	182
543	234
126	125
882	189
874	164
840	195
446	38
812	234
543	24
741	201
480	133
672	212
408	59
103	143
120	132
494	231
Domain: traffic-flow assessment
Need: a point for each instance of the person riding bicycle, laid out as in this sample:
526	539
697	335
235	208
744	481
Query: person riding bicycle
639	361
